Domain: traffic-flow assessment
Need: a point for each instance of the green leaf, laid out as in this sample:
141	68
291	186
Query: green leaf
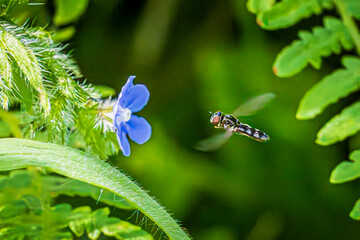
104	91
54	186
98	221
288	12
347	170
64	34
256	6
20	153
330	89
5	131
343	125
355	212
59	185
12	122
68	11
311	47
353	7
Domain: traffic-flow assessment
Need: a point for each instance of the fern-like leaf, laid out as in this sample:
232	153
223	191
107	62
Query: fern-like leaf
288	12
312	47
97	222
353	6
343	125
257	6
20	153
330	89
347	170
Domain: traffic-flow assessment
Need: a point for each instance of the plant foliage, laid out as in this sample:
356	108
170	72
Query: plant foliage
336	35
44	97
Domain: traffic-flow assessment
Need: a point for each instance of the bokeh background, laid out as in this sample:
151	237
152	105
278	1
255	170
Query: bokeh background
208	55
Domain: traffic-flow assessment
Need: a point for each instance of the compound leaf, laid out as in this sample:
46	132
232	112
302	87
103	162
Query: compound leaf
353	7
256	6
288	12
347	170
343	125
20	153
98	221
312	47
330	89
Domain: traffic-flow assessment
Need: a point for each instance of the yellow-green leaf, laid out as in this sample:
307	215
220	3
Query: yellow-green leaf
68	11
20	153
288	12
355	212
330	89
343	125
347	170
256	6
311	47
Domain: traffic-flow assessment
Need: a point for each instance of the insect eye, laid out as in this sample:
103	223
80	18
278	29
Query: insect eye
219	113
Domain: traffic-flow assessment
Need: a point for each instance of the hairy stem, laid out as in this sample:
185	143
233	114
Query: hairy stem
20	153
349	23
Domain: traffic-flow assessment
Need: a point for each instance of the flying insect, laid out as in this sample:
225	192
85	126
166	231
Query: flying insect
232	125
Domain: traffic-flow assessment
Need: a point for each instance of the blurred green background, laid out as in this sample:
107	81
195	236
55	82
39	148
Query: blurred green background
200	56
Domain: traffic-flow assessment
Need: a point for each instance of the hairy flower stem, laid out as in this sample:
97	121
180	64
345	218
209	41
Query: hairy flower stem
349	23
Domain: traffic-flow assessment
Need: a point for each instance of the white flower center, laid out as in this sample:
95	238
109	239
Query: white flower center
123	114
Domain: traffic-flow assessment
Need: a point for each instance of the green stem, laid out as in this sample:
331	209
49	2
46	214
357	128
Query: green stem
349	23
20	153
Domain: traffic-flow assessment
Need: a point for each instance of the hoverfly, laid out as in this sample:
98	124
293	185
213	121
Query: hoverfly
232	125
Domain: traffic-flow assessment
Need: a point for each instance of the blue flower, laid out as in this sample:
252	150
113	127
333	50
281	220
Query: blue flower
132	99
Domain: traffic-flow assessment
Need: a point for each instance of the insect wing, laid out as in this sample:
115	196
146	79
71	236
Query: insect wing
214	142
253	105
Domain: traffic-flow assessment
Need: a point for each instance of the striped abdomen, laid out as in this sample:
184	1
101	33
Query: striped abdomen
256	134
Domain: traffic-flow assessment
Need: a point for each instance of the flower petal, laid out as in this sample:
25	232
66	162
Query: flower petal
135	98
124	89
139	129
129	84
122	139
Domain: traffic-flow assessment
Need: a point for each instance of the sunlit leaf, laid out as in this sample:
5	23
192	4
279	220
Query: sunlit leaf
311	47
68	11
253	105
330	89
12	122
214	142
288	12
343	125
347	170
20	153
5	131
355	212
256	6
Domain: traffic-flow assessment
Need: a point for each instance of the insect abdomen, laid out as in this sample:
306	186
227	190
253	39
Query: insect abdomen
253	133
